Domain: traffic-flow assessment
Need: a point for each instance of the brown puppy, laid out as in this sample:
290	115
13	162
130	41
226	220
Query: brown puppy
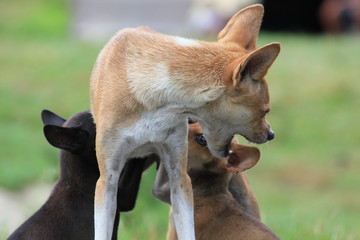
146	84
218	215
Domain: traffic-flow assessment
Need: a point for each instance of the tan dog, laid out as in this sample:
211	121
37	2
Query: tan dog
218	215
145	85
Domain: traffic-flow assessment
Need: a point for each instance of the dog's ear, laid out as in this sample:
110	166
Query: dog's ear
243	28
242	158
49	117
70	139
256	64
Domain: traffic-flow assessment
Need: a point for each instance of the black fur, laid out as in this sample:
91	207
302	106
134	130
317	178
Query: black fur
69	211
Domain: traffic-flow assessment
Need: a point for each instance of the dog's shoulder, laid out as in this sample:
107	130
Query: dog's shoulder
138	37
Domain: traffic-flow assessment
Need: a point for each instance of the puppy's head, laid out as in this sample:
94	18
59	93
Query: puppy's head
240	158
242	108
76	139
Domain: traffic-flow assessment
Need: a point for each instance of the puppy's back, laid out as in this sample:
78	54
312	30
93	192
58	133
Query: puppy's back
222	217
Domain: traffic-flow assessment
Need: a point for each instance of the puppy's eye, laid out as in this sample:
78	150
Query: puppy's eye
200	139
190	121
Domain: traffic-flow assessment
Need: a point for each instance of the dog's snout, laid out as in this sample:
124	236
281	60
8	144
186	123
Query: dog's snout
271	135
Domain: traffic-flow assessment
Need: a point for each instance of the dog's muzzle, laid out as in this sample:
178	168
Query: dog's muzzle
271	135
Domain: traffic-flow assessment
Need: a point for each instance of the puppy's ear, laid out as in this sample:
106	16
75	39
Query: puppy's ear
243	28
49	117
242	158
256	64
69	139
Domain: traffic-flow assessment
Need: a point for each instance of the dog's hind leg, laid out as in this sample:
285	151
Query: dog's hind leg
112	155
174	157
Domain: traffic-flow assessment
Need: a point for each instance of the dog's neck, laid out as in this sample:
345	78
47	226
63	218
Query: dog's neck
76	173
211	196
208	184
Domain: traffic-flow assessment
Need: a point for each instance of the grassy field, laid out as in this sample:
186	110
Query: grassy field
307	181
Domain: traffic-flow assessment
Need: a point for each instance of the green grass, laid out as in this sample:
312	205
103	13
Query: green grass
307	181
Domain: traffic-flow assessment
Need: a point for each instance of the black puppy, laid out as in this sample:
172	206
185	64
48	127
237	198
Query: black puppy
69	211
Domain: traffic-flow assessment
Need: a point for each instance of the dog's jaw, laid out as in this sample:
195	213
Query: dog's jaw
257	138
222	151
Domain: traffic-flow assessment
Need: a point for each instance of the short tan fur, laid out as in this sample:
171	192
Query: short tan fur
219	213
146	84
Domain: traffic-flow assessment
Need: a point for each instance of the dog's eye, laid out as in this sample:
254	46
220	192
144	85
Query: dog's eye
264	113
200	139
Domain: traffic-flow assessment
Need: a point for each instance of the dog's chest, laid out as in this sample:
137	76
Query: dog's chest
156	127
153	129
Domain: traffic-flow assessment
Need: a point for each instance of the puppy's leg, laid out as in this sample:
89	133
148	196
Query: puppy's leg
174	158
111	156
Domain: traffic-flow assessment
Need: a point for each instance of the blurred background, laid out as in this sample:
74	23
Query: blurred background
307	181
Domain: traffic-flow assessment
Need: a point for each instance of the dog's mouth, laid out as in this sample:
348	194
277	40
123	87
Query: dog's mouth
255	140
249	140
220	151
227	147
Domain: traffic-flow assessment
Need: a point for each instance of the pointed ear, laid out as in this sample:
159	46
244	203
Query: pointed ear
243	28
69	139
257	63
49	117
242	158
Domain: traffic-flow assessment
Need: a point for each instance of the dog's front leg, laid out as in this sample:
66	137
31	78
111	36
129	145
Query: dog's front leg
174	158
105	205
111	158
161	188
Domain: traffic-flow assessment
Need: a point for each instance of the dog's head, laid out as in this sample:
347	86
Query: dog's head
242	107
76	139
240	158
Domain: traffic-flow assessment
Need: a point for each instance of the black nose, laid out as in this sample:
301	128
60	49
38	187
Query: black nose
271	135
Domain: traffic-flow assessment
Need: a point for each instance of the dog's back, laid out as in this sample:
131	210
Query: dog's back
221	217
148	69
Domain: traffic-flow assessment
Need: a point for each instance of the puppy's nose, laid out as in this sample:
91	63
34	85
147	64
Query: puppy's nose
271	135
